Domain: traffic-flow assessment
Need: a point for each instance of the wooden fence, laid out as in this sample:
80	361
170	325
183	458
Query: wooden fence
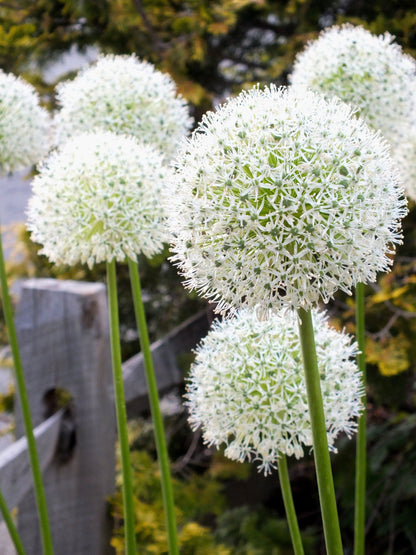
64	342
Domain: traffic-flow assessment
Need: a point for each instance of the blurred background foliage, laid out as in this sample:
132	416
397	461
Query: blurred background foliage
214	48
211	47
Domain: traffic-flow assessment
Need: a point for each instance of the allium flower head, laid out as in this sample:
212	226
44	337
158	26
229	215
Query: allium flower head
127	96
24	125
99	198
247	387
281	199
368	71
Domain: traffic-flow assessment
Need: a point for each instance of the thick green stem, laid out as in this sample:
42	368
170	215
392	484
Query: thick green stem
289	506
320	441
361	453
26	417
11	527
162	451
121	414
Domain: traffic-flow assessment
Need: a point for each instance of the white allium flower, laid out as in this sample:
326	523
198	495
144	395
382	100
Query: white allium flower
100	197
127	96
368	71
24	124
281	199
405	156
247	388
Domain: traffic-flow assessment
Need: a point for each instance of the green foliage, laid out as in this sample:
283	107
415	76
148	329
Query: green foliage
219	511
203	489
198	498
391	485
40	31
208	47
256	532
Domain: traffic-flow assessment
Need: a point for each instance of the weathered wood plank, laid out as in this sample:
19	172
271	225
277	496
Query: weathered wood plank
64	343
15	473
165	355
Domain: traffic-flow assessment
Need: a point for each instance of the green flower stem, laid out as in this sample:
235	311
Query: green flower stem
162	451
27	419
11	527
320	441
361	453
127	486
289	506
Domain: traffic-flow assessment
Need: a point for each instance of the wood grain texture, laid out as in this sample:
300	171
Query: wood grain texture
15	473
64	342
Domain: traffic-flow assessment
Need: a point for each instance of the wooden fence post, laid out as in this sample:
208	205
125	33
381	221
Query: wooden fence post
64	342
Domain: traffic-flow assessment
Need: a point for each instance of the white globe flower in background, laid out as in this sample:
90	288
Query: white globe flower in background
405	155
281	199
98	198
367	71
371	73
124	95
24	125
247	388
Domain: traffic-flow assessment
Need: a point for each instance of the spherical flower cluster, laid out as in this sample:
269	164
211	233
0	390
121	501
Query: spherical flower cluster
281	199
99	198
247	387
370	72
127	96
24	125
